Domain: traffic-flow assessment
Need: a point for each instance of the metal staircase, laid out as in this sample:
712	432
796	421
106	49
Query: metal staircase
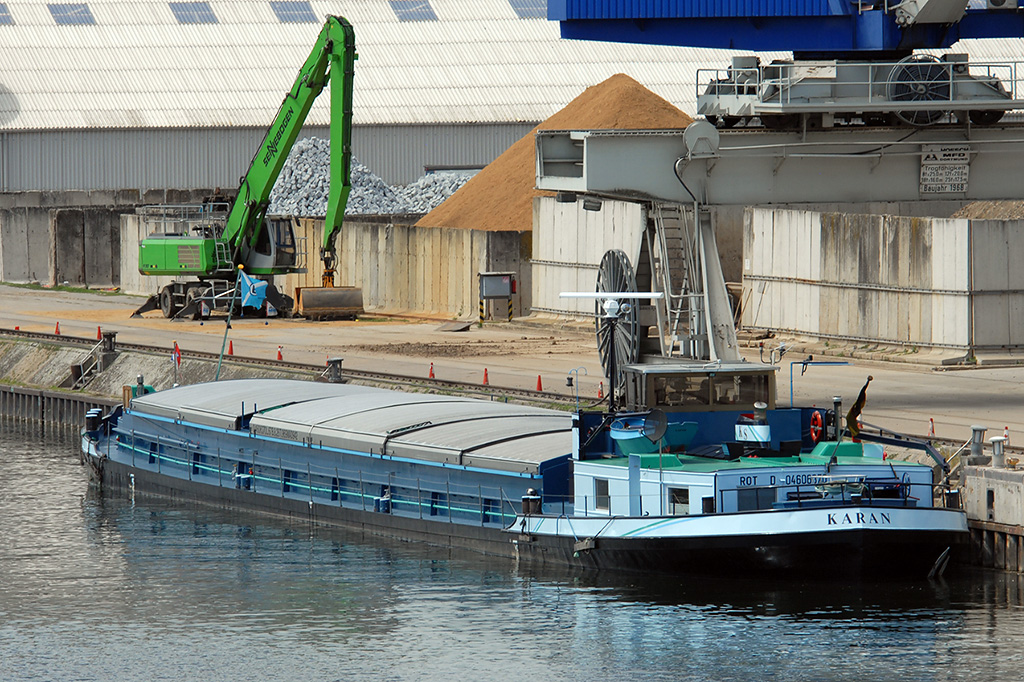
672	248
680	259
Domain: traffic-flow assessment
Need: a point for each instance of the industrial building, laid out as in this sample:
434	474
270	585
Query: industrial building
163	102
141	95
108	104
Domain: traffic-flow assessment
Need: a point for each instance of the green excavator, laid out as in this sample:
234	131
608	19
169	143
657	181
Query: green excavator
205	247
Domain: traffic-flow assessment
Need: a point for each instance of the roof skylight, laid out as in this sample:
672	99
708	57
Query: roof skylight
193	12
530	9
413	10
289	12
5	15
71	13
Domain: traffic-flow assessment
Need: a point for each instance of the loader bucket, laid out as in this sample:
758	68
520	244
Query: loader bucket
318	303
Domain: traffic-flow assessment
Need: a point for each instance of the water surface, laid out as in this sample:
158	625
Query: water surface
96	587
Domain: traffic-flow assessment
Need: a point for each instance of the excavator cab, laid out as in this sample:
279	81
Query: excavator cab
276	250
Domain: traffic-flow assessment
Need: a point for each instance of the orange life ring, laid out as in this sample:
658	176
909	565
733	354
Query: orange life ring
817	426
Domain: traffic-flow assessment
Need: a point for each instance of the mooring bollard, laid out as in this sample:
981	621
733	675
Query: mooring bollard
977	445
998	452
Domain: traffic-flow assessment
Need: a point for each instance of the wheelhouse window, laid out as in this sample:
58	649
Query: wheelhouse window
674	391
601	498
745	389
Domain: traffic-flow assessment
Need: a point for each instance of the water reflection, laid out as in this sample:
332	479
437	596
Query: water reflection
101	587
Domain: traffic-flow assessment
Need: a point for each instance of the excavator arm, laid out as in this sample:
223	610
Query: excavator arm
332	59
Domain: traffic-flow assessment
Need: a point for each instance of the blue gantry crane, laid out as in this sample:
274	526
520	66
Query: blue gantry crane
854	61
810	29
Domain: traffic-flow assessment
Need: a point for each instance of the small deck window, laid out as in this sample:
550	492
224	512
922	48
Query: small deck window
294	12
5	15
530	9
71	14
749	499
193	12
413	10
678	501
601	498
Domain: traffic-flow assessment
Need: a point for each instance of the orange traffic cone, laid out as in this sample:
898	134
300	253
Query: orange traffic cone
600	391
56	330
99	334
431	375
279	356
540	387
931	429
486	382
231	347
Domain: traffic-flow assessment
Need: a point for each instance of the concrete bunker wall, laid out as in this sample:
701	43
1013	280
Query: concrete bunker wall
400	268
423	270
74	237
930	282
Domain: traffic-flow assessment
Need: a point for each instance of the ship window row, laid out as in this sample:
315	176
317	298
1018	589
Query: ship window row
678	501
286	11
408	497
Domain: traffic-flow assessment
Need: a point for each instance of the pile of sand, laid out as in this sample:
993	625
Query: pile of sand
500	197
992	210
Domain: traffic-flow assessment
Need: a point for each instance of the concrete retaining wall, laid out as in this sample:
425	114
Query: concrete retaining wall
400	267
73	237
425	270
932	282
47	365
570	243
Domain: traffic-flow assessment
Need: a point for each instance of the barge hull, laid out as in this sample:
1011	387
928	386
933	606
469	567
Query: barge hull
122	479
880	555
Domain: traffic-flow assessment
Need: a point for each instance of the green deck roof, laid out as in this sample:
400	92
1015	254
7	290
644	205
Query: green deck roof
846	452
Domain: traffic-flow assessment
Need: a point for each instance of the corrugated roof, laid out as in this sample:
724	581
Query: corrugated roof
138	67
411	425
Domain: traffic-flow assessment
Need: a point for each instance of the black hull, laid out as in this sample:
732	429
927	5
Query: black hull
874	555
869	555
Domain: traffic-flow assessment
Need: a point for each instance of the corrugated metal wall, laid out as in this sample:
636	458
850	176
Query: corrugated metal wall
206	157
400	153
568	244
938	282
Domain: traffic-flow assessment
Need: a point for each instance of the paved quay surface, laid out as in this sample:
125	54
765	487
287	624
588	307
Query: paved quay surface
903	396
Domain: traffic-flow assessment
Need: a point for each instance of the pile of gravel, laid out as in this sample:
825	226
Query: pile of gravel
301	189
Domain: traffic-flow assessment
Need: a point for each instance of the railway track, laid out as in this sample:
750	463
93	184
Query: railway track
404	382
490	392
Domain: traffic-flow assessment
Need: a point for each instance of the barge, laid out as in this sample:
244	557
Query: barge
729	483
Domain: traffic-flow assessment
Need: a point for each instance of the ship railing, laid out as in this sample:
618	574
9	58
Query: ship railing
954	469
825	491
846	85
485	505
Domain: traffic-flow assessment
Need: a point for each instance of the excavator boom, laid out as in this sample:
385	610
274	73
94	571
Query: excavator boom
331	60
212	245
